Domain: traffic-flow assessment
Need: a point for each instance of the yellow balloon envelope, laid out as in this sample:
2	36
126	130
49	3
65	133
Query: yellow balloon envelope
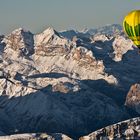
131	25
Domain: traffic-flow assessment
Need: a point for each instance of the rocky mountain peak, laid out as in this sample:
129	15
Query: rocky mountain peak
20	41
50	36
50	31
121	45
133	98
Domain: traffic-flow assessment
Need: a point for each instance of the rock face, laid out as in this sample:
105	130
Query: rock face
129	129
133	98
121	46
36	136
49	83
19	41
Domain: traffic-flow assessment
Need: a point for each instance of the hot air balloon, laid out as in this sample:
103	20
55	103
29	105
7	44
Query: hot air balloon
131	25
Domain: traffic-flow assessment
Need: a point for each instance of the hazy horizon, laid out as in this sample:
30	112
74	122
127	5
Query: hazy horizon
35	15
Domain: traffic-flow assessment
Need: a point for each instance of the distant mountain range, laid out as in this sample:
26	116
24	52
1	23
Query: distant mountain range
108	29
67	82
111	30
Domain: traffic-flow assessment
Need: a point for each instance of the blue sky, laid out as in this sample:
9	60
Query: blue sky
36	15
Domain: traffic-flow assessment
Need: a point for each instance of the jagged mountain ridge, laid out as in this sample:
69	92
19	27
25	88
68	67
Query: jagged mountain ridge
42	67
112	30
108	29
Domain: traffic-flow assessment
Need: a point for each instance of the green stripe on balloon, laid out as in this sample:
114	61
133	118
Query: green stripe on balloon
139	29
131	31
127	28
136	30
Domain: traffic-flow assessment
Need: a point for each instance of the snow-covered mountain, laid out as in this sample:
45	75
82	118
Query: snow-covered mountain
111	30
108	29
70	34
53	83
